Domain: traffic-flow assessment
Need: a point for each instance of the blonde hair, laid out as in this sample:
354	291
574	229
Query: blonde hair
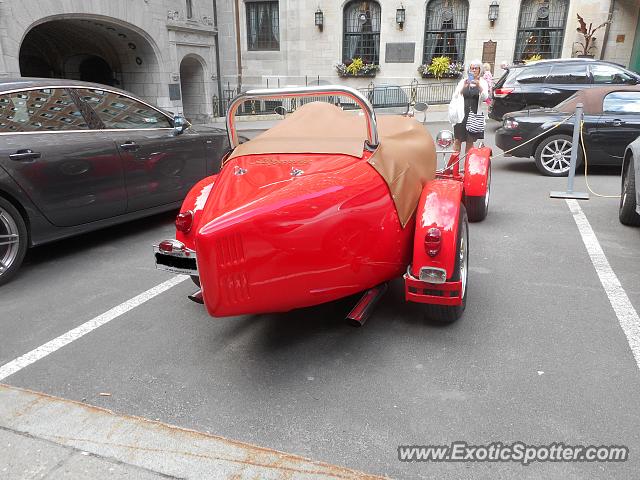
487	67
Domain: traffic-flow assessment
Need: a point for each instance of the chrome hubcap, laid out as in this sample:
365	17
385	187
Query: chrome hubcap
556	156
9	240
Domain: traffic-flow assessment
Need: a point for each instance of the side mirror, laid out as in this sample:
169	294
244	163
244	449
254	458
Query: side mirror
180	124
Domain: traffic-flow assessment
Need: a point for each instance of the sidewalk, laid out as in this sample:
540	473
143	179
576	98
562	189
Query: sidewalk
45	437
435	114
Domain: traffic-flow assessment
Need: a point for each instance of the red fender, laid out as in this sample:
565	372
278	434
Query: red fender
195	201
476	169
439	206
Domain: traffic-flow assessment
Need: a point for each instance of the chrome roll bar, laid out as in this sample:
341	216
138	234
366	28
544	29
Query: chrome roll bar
323	90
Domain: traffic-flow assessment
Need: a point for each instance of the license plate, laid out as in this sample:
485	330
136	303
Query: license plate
176	263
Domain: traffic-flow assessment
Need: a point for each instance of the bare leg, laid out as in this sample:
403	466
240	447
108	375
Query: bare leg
457	144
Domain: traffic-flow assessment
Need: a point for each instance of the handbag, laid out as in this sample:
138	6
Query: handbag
456	110
475	122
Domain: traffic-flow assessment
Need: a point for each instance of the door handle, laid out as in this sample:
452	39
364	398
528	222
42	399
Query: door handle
24	155
130	146
616	123
548	92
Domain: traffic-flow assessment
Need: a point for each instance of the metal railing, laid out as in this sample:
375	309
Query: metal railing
382	97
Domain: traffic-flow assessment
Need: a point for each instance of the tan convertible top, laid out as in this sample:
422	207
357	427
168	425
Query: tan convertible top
406	157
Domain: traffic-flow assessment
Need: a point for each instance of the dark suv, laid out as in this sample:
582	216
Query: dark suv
548	82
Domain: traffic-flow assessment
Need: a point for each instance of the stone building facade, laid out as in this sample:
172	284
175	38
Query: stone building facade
185	55
161	50
307	51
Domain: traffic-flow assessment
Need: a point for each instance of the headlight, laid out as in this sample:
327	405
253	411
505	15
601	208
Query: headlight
510	124
444	139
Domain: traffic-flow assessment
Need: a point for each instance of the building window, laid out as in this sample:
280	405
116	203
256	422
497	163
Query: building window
445	30
361	37
263	27
541	29
189	9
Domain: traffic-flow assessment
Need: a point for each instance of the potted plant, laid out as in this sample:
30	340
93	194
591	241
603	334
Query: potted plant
357	68
533	58
441	67
588	40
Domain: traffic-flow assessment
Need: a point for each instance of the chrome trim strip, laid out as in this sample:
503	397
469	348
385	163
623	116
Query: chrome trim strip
324	90
89	130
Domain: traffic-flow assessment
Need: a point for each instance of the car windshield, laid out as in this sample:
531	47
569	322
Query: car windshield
565	101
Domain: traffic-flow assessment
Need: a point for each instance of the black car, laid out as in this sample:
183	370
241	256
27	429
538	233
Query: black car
78	156
548	82
611	122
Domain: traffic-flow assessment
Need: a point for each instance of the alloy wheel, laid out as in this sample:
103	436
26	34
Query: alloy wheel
556	156
9	240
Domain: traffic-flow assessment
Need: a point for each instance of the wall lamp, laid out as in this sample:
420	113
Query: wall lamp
319	16
400	16
493	11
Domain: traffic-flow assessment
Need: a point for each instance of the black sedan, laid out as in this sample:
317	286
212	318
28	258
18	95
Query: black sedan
77	156
611	122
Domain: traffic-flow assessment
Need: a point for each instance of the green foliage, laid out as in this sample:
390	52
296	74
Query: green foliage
355	66
439	66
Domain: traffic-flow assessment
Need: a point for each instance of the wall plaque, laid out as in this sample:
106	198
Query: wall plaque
400	52
174	91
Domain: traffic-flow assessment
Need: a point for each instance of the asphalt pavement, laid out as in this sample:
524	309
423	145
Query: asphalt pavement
539	355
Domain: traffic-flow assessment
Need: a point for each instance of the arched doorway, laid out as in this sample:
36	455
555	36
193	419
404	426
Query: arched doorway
98	50
193	89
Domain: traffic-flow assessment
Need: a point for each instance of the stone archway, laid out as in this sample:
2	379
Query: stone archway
192	84
96	49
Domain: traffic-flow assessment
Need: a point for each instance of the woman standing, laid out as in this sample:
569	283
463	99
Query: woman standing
474	90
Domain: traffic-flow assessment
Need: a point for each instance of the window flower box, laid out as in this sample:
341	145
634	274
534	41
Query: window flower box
357	69
454	70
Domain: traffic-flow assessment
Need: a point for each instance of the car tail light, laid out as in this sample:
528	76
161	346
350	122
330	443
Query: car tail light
184	221
502	92
510	124
433	241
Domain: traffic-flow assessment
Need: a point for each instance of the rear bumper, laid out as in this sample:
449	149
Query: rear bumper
505	141
447	293
173	256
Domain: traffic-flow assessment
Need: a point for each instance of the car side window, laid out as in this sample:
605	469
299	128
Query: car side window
47	109
532	75
568	74
121	112
622	102
607	75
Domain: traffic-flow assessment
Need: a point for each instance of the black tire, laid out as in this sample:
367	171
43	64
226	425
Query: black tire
627	213
445	313
553	156
478	207
14	240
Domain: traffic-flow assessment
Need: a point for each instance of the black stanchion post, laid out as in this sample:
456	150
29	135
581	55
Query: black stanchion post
575	145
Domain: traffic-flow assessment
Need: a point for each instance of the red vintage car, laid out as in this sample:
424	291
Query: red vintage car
325	205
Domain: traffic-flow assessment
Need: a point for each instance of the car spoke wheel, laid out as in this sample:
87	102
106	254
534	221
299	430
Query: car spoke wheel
449	314
13	240
553	156
627	212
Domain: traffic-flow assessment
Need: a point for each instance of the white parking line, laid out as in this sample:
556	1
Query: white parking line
627	315
66	338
